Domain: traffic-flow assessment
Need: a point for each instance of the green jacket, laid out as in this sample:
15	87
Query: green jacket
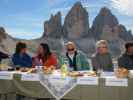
81	61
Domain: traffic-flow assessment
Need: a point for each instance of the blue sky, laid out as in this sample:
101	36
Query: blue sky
24	18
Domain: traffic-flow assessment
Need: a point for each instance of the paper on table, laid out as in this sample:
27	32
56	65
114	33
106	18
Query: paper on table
113	81
105	74
87	80
6	75
29	77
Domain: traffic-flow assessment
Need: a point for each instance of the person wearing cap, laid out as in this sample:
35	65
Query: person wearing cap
126	59
77	60
102	59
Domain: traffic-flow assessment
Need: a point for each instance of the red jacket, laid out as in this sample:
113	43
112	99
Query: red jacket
51	61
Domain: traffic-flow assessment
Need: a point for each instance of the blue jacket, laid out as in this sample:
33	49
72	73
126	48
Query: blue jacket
22	60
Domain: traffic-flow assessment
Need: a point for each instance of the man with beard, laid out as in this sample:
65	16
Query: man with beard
126	59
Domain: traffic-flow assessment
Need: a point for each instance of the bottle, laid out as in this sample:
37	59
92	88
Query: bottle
100	72
64	70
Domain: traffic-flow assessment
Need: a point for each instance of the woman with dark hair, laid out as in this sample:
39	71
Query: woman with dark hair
44	57
20	57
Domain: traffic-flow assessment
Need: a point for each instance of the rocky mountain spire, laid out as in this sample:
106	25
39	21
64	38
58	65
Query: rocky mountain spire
76	22
104	18
2	33
53	27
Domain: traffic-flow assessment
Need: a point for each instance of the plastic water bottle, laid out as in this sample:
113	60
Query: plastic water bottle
64	70
115	65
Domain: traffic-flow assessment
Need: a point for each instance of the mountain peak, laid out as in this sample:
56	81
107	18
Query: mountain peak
77	4
2	33
53	27
76	22
104	18
105	11
2	30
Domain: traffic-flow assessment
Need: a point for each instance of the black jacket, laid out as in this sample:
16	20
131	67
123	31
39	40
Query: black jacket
3	56
126	61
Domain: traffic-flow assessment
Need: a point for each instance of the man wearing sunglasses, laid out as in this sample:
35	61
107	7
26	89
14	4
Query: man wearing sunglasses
76	59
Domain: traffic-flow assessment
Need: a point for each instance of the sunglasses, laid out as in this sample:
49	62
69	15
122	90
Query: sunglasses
71	49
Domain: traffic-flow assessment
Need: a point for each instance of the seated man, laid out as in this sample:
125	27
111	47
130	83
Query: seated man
76	59
126	59
20	57
102	60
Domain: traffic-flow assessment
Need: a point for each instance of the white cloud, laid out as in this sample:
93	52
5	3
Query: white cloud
22	33
124	7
